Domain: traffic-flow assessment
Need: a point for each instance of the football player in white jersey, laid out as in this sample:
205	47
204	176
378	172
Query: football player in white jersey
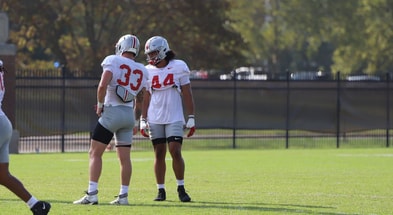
119	92
6	179
162	114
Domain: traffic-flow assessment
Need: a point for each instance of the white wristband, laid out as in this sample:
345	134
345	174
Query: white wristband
100	105
190	116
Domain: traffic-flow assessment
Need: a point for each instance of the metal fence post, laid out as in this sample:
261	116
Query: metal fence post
234	111
63	103
387	109
287	114
338	119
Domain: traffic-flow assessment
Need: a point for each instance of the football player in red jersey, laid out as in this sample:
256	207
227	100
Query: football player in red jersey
162	114
119	92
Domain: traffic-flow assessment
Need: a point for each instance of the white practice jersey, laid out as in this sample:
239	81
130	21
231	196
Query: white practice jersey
127	73
2	91
164	85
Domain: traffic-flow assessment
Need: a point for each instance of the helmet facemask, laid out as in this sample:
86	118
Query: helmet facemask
157	45
154	57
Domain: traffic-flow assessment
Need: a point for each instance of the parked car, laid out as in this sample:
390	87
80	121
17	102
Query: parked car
199	74
309	75
245	73
363	78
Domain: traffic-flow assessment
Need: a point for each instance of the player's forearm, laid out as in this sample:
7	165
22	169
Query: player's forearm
145	104
189	102
190	106
138	109
101	92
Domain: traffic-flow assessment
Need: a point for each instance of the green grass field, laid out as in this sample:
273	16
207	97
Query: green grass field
294	181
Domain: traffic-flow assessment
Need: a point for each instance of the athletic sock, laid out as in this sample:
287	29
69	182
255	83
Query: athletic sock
180	182
32	201
123	189
93	186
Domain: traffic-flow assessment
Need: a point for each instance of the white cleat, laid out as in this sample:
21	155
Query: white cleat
88	199
120	200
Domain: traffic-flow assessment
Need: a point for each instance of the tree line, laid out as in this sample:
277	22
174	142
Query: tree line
351	36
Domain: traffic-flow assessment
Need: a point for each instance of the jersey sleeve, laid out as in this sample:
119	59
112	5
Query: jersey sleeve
145	77
108	63
185	74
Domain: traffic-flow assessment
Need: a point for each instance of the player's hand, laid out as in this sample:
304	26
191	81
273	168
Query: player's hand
190	125
136	126
98	110
144	127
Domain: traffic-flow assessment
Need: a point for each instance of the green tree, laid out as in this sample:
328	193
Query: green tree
280	33
261	27
369	45
358	32
352	36
79	34
195	30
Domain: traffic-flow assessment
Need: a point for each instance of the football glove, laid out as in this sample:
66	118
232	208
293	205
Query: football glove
190	125
144	127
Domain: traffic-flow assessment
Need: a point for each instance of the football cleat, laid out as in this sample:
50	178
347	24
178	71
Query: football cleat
161	196
89	199
41	208
183	196
120	200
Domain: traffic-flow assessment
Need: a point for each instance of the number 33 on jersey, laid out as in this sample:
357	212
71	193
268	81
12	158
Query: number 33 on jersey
126	73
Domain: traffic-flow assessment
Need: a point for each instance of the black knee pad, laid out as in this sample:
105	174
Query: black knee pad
159	141
102	134
124	146
175	139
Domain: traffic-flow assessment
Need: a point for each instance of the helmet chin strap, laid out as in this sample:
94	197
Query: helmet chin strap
154	61
157	62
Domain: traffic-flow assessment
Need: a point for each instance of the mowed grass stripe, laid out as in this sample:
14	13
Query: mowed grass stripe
294	181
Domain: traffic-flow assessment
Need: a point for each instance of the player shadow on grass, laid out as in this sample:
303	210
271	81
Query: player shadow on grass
234	206
230	206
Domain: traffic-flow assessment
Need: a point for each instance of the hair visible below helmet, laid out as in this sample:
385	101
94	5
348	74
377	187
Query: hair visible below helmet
156	44
127	43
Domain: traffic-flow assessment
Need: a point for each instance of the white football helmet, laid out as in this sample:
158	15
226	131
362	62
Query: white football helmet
127	43
156	44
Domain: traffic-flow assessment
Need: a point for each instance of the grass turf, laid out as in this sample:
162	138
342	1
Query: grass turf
293	181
